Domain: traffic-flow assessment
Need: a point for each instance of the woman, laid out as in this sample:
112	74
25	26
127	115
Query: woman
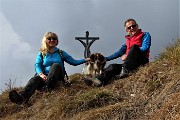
49	69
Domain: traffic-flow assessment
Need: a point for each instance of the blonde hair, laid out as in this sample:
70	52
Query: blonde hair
44	48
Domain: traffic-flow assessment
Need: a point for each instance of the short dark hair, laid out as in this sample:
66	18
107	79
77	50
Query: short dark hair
128	20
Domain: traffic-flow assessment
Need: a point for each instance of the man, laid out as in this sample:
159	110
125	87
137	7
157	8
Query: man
134	53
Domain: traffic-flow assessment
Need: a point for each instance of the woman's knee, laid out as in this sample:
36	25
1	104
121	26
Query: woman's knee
56	65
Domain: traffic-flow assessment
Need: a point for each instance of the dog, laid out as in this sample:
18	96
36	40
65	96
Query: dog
96	65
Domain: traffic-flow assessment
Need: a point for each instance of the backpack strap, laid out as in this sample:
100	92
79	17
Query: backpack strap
61	55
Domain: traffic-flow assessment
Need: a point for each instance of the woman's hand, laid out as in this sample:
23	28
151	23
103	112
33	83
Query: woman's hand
43	76
87	59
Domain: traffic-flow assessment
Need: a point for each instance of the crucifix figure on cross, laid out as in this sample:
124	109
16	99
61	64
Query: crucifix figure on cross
87	44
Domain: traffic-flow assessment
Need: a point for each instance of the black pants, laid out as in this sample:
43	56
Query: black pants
134	59
36	83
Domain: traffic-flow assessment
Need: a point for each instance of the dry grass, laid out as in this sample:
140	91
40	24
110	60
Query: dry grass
153	92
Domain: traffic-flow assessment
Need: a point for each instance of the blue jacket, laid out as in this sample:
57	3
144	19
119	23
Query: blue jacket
51	58
146	43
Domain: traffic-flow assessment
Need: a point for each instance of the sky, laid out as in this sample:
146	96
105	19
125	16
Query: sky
24	22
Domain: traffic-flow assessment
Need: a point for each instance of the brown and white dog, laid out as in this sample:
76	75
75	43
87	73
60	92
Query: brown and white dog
96	65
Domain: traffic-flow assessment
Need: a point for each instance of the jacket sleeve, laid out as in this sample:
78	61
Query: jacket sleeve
67	58
38	64
117	54
146	42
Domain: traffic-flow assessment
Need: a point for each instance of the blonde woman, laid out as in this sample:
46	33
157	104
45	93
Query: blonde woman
49	69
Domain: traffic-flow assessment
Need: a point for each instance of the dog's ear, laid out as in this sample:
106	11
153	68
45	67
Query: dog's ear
101	58
92	57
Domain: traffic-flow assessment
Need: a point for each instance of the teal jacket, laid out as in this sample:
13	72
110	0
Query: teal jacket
51	58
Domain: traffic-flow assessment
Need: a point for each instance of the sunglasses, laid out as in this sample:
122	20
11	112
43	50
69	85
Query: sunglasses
133	26
51	38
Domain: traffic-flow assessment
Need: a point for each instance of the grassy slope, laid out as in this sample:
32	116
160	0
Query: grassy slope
153	92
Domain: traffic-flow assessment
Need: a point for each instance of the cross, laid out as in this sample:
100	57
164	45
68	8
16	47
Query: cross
87	44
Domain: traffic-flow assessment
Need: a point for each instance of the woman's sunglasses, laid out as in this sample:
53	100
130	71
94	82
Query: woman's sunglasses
51	38
133	26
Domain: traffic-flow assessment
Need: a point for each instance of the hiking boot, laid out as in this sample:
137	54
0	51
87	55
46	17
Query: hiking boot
66	84
15	97
96	82
92	81
124	72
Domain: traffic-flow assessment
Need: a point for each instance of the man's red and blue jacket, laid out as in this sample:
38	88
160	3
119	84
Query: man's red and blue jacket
142	39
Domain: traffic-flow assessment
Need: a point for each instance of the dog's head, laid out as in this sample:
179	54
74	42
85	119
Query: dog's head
98	58
96	65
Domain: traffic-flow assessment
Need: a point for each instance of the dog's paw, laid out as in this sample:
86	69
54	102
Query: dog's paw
88	81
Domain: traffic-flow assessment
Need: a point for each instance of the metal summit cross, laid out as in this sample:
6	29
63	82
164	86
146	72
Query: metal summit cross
87	44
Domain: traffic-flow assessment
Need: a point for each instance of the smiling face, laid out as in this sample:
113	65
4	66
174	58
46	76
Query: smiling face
51	40
131	27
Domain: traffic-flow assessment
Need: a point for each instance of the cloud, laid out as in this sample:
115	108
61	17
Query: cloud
12	43
13	51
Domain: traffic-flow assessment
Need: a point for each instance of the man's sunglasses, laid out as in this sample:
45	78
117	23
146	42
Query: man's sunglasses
51	38
133	26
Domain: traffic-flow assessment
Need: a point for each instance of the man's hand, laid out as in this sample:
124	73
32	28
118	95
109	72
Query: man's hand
123	57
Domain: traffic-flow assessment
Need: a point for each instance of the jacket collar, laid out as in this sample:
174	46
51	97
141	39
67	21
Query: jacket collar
137	33
56	49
